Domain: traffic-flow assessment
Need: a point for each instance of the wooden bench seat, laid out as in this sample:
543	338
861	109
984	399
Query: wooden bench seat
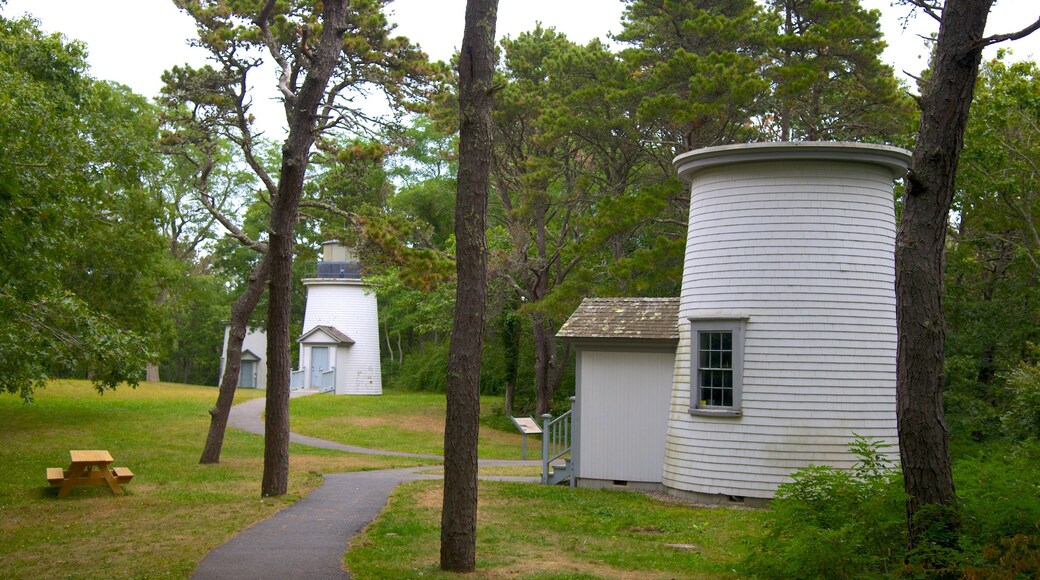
55	476
123	474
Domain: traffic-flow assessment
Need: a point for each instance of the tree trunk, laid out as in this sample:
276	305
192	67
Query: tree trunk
511	347
544	359
151	369
548	368
476	67
240	312
920	244
284	211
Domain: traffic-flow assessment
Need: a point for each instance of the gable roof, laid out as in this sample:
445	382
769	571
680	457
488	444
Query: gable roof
249	355
624	318
332	333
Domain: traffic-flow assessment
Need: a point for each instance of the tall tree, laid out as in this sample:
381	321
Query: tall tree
701	65
198	169
194	144
920	244
76	153
537	168
324	52
829	80
992	293
461	424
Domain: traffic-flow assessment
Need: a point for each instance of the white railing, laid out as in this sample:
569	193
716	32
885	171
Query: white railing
328	381
296	380
557	437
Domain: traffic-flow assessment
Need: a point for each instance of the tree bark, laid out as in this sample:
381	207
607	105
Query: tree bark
920	245
151	369
545	363
476	67
303	121
240	312
510	334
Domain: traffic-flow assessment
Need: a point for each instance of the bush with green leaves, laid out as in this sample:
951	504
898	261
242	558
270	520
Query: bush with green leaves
1021	416
836	523
998	508
1000	494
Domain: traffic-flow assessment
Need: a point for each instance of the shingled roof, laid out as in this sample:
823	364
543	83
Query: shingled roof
332	331
624	318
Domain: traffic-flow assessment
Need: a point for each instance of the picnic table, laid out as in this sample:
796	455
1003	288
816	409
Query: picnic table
89	467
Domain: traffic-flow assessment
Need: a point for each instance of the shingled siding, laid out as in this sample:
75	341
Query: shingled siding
804	251
351	309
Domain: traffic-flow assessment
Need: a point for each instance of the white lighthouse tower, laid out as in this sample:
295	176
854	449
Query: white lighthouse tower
787	322
339	348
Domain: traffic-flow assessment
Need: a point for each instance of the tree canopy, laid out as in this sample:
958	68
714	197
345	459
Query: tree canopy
81	259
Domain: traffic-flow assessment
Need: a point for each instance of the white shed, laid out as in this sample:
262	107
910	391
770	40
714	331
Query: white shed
339	348
625	357
253	372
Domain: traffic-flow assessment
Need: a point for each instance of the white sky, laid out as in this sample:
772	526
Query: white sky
134	41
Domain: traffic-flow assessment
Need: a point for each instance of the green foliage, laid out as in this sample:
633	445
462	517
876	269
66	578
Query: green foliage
996	515
198	306
835	523
425	369
830	523
1021	402
59	332
699	66
999	495
992	298
81	262
829	80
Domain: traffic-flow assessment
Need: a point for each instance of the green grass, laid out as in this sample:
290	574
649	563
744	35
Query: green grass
174	510
412	422
533	531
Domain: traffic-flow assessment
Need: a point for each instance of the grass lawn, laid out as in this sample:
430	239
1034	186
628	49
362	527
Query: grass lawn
174	511
396	421
534	531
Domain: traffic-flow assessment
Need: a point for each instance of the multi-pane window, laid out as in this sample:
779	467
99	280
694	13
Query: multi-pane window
717	367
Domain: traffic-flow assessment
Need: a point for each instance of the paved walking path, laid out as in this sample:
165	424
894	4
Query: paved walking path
307	540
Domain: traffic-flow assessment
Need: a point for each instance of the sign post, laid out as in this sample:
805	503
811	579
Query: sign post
526	425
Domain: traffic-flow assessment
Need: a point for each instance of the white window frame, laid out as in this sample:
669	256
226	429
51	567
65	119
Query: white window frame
737	327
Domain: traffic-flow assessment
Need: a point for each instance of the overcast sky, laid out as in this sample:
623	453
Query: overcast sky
134	41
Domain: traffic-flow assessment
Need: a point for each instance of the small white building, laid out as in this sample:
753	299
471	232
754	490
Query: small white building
786	325
253	372
339	347
625	350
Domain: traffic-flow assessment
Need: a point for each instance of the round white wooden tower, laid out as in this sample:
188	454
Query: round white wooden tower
787	314
339	348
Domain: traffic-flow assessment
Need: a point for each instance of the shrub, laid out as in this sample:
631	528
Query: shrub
1000	495
835	523
1021	416
424	369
